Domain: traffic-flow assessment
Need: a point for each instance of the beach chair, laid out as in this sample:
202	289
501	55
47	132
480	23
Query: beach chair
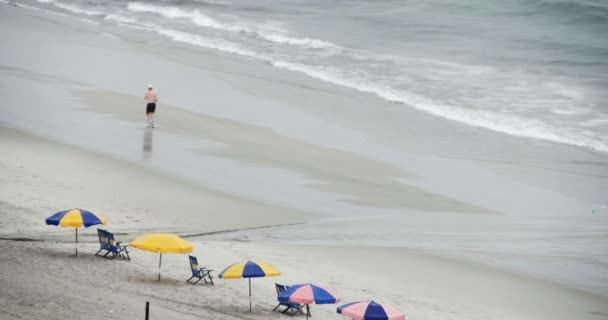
104	244
201	273
290	308
116	248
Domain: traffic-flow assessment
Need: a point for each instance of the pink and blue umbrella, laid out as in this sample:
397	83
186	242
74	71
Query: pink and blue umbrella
370	310
307	294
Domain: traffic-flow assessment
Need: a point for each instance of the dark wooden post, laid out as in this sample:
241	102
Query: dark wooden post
147	309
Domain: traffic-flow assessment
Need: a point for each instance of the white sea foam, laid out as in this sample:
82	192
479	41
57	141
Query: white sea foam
571	111
564	91
121	18
203	20
88	21
186	37
436	65
64	7
197	40
509	124
595	122
111	36
457	67
20	5
25	6
304	42
71	8
215	3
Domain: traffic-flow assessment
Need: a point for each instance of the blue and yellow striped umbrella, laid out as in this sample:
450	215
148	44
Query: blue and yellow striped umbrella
249	270
76	218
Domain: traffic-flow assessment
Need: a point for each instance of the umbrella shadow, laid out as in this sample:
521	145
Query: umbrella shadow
62	252
151	279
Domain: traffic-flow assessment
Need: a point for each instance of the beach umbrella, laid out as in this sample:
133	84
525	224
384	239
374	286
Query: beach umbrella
161	243
370	310
76	218
308	293
249	270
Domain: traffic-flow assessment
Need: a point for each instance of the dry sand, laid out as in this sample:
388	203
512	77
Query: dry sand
41	280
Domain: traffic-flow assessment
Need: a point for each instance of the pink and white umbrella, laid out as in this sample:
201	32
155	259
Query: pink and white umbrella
370	310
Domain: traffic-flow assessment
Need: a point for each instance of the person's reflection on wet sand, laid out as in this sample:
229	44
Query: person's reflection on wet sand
147	148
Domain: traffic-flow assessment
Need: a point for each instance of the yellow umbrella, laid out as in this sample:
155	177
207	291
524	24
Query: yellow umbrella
161	243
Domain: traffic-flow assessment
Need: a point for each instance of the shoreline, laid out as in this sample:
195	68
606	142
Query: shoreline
333	170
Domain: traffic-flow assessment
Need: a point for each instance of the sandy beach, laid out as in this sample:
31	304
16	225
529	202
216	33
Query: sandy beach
41	278
427	287
39	175
245	163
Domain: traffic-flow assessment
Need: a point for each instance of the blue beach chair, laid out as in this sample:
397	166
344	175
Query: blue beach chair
290	308
201	273
116	248
104	244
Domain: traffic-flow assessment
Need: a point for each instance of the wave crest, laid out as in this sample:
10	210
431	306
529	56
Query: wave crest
203	20
200	41
498	122
71	8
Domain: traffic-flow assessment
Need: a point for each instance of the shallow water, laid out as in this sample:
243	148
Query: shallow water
535	69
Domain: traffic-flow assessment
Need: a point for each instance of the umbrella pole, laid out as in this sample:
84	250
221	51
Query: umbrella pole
249	294
76	240
160	259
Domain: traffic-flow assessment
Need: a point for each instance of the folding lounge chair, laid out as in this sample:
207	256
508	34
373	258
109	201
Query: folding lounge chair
290	308
104	244
201	273
116	248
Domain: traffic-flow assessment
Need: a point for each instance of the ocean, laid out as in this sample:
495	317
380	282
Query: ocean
535	69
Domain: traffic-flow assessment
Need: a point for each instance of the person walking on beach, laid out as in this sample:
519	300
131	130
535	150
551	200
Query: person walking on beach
151	98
